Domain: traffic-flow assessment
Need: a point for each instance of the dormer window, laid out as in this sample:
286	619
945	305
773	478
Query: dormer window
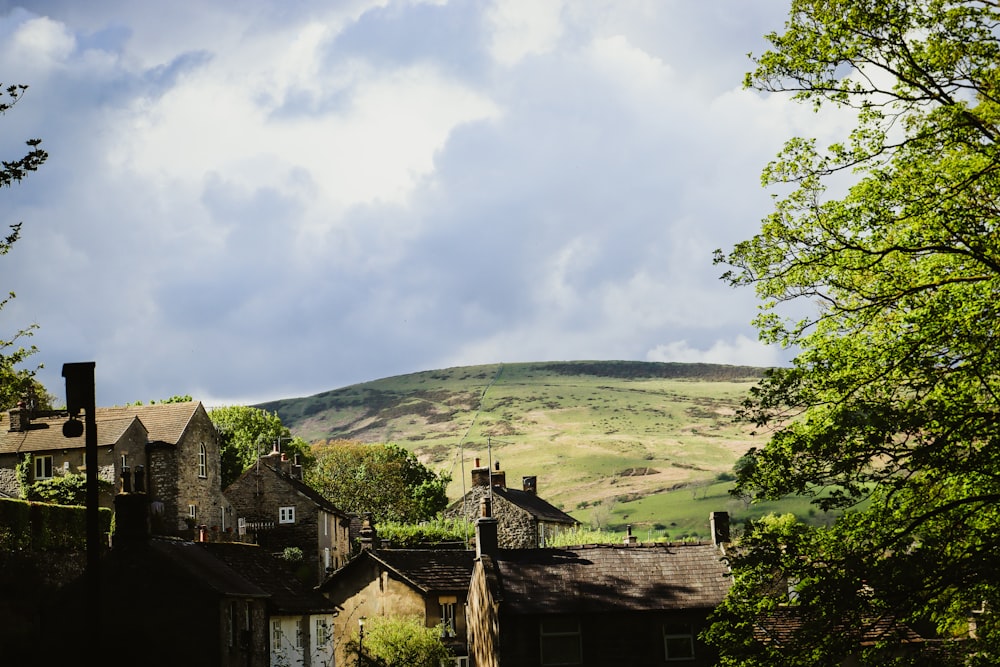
202	461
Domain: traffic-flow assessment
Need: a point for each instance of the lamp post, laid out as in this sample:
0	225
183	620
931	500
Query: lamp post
361	637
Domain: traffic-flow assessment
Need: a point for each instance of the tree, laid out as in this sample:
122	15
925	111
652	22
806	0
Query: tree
401	642
891	403
248	432
384	479
15	382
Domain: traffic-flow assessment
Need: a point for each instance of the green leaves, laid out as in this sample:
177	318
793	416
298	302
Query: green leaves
384	479
247	432
889	410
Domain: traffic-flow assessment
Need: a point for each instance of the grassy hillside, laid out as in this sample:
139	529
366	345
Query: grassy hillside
649	444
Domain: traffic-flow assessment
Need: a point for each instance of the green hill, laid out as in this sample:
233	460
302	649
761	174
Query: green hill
613	442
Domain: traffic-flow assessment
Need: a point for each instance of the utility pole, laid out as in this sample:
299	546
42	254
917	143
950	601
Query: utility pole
80	396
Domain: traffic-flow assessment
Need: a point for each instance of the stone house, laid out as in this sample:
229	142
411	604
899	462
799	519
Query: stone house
525	520
274	508
175	444
430	584
640	605
168	601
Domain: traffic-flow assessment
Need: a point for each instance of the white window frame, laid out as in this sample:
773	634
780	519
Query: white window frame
286	514
202	461
323	633
42	464
276	636
193	511
674	632
448	618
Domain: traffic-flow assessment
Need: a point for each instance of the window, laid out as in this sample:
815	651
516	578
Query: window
560	641
275	636
678	641
193	511
300	630
286	515
448	616
43	467
202	461
322	632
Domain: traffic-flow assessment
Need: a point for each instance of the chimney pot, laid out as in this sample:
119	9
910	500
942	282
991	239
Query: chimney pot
530	484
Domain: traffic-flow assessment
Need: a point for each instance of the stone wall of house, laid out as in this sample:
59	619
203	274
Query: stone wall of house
517	529
162	479
204	492
258	496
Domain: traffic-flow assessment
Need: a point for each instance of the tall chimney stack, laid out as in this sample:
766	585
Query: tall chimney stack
719	524
487	541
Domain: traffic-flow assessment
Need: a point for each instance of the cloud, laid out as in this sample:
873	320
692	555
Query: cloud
277	199
741	351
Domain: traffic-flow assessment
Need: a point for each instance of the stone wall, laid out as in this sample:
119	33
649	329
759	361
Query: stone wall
517	529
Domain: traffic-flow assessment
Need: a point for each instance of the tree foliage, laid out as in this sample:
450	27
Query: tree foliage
16	382
401	642
247	432
892	401
384	479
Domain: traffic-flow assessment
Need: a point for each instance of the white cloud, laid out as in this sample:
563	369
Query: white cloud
522	28
741	351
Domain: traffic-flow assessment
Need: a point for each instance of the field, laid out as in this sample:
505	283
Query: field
612	443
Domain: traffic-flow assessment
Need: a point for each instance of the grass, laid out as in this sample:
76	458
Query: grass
584	429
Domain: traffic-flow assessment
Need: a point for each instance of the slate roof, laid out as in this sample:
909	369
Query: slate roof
288	594
426	570
780	626
537	507
166	422
45	433
603	578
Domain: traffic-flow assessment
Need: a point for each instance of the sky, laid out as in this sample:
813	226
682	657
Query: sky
264	199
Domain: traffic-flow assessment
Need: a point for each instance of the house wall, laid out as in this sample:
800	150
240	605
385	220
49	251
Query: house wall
483	621
175	481
258	495
298	641
368	591
516	528
635	638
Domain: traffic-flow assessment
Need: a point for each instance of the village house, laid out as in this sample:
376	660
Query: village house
168	601
592	605
525	521
174	444
274	508
429	584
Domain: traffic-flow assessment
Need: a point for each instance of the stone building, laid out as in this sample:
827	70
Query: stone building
429	584
274	508
174	444
641	605
525	521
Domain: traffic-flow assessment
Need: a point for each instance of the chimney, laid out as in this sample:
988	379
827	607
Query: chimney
530	485
499	476
486	530
369	536
629	539
20	417
480	475
719	525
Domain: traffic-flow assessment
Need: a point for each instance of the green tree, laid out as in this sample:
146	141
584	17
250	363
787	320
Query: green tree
401	642
384	479
247	432
892	400
16	382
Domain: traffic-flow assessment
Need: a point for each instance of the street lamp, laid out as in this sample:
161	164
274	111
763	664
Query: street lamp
361	637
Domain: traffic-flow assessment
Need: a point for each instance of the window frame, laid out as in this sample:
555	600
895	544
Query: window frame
559	635
286	514
202	461
678	634
40	464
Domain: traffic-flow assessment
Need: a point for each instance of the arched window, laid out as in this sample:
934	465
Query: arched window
202	461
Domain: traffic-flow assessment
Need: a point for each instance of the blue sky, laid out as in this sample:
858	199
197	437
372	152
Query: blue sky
259	200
